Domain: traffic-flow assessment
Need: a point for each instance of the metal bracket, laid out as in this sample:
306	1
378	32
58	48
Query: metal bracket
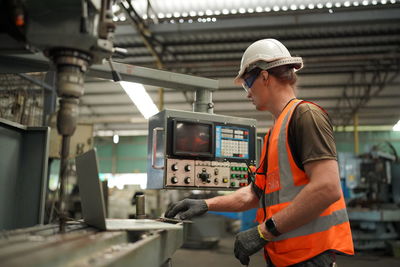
154	149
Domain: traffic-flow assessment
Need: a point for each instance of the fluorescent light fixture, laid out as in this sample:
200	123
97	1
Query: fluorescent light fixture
140	98
116	138
396	127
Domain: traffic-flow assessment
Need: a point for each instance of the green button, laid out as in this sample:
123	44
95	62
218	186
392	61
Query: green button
233	175
233	168
242	176
233	183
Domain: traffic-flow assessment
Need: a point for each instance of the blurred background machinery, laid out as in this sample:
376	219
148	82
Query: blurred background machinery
371	184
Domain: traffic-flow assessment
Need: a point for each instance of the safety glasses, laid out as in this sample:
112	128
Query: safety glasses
250	79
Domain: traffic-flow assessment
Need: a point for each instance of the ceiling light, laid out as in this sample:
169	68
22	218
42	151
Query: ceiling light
347	3
122	18
396	127
161	15
302	7
144	16
214	19
177	14
116	138
250	10
181	20
242	10
225	11
168	15
209	12
267	9
311	6
259	9
140	98
293	7
284	8
115	19
185	14
275	8
383	2
192	13
329	5
338	4
355	3
233	11
365	3
115	8
393	1
217	12
201	13
190	21
319	5
374	2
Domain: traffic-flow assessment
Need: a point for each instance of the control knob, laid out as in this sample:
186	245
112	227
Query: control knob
174	180
188	168
204	176
174	167
187	180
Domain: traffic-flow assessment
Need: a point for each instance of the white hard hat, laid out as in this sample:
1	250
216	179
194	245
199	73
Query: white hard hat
266	54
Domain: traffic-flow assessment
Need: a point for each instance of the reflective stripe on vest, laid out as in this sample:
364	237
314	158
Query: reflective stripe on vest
320	224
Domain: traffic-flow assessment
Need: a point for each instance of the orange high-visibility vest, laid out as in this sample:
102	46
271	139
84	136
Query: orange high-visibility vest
279	185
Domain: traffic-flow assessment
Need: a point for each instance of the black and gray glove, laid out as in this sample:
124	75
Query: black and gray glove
188	208
247	243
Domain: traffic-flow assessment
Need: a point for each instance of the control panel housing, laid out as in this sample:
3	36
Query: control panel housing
191	150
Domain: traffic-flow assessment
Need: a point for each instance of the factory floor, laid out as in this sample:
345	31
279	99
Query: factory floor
222	256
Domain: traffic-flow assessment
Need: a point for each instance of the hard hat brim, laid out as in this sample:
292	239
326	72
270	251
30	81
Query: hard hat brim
297	63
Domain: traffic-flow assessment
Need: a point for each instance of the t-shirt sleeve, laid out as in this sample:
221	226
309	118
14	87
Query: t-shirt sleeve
311	135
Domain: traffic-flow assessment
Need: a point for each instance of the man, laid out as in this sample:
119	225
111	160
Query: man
302	216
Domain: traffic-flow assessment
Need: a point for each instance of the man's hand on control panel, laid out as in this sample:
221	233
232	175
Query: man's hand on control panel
188	208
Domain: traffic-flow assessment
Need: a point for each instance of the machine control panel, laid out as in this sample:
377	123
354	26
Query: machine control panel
194	150
202	174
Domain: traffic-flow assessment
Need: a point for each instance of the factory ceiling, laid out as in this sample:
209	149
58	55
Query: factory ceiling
351	51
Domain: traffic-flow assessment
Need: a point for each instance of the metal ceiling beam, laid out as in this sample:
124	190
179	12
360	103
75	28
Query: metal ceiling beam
244	100
155	77
355	97
235	60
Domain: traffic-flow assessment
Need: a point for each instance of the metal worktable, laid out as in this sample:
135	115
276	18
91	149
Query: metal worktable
85	246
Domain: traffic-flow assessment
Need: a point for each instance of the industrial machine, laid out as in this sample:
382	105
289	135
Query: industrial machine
73	34
372	190
196	150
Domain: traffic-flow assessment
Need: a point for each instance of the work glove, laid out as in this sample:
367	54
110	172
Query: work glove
188	208
247	243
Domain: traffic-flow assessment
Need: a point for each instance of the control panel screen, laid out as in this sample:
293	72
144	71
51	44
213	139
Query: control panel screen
232	142
191	138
